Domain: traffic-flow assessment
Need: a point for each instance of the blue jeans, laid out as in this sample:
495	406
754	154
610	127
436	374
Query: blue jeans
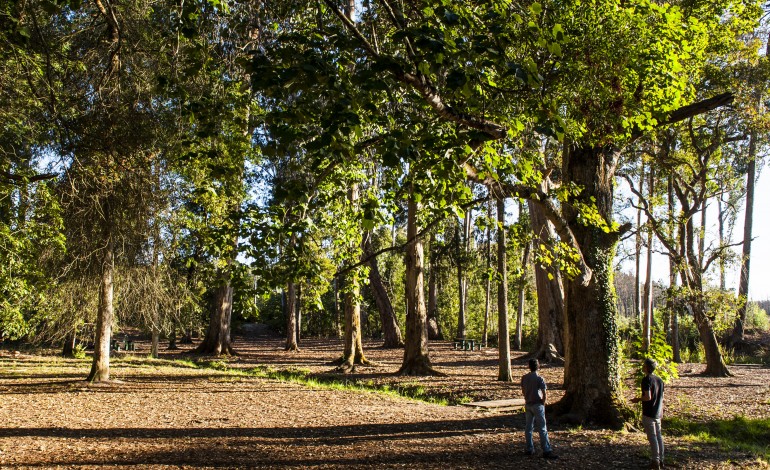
536	417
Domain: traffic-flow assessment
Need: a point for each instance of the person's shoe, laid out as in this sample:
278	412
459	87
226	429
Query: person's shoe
529	452
550	455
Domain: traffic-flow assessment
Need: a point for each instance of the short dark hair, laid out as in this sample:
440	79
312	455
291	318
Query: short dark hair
651	364
534	365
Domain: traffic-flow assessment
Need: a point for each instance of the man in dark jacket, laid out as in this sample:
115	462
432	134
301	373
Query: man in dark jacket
652	411
534	390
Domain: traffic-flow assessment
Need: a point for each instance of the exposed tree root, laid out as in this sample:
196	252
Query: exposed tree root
547	354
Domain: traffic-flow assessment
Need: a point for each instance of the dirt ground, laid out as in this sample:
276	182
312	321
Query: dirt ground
160	414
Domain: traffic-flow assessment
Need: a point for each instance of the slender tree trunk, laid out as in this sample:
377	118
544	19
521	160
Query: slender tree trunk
298	310
390	329
592	359
488	297
462	282
503	330
648	287
416	360
673	269
100	367
172	346
522	284
550	296
291	317
721	221
638	253
353	353
748	222
434	329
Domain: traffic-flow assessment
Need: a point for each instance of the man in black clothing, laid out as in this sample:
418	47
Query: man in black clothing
652	411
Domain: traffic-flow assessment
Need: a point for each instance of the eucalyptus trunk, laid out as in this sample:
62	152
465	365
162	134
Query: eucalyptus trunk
638	257
550	296
521	284
503	330
488	291
416	360
739	329
291	317
434	328
390	329
100	367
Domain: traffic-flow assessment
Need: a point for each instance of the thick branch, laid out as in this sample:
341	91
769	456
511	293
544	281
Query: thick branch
28	179
700	107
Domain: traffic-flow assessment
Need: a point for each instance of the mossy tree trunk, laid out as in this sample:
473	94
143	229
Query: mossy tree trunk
592	357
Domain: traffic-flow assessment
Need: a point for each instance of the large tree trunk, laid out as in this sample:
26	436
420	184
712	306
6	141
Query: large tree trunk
503	330
390	329
592	360
100	367
550	296
416	360
748	223
217	340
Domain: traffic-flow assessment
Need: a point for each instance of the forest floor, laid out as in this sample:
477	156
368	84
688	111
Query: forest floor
175	413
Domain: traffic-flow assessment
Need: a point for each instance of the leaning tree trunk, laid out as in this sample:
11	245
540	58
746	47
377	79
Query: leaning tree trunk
100	367
592	360
715	364
291	317
503	330
217	340
416	360
390	329
550	296
743	285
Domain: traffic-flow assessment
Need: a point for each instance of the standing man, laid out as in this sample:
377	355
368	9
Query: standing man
534	390
652	411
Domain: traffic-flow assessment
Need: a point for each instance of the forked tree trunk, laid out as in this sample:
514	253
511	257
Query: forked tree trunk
748	223
416	360
592	360
100	367
291	317
503	330
390	330
217	340
550	296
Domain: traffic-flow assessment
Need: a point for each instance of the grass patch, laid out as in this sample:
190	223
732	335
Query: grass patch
304	377
749	435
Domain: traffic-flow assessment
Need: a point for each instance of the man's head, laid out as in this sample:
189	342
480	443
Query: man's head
533	365
650	365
